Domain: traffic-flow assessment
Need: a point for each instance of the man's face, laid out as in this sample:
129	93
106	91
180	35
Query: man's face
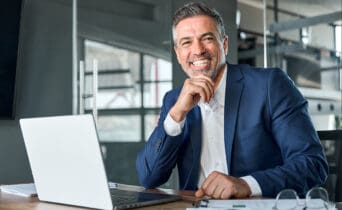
199	47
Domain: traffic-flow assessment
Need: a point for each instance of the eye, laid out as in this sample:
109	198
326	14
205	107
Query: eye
208	38
185	43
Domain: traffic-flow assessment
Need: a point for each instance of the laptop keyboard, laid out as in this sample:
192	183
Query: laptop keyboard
123	199
123	196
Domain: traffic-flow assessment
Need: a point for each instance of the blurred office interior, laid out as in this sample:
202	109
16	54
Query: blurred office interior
114	59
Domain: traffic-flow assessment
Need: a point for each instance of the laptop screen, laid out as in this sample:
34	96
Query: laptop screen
67	165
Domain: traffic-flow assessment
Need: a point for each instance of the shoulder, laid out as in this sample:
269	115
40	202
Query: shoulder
250	71
255	75
258	76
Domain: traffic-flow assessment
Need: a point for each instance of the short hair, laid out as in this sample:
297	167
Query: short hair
194	9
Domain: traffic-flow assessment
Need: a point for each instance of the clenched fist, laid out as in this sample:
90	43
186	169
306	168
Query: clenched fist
221	186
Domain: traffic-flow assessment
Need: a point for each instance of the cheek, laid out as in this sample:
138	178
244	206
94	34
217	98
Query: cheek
215	50
182	57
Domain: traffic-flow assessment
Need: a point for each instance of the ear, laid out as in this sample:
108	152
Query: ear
225	44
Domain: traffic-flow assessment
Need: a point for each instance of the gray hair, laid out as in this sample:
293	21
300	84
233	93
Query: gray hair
194	9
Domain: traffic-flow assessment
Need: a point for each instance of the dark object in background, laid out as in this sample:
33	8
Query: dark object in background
10	13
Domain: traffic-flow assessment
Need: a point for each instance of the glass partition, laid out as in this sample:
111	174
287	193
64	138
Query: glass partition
304	39
129	42
124	70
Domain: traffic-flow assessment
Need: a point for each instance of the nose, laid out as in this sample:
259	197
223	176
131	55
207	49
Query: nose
198	48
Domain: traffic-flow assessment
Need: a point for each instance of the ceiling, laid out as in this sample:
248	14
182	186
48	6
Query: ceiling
307	8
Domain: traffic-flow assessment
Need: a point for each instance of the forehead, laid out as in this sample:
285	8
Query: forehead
195	25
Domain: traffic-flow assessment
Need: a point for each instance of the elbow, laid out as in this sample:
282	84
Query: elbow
324	171
145	177
148	179
320	174
142	172
148	183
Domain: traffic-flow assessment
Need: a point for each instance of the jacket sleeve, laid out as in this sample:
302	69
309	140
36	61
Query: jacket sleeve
304	162
158	157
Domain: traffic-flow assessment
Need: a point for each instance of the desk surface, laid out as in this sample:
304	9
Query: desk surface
10	201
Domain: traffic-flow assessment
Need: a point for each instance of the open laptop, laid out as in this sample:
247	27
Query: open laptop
67	165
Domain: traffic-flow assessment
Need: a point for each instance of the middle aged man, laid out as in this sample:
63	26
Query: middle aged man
232	130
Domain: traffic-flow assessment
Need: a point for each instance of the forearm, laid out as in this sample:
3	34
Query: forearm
304	163
301	175
157	159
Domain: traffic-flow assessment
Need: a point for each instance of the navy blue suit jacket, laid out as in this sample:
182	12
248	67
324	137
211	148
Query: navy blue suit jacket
268	134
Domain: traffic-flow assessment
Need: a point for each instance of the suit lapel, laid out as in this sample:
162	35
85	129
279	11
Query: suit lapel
234	88
195	120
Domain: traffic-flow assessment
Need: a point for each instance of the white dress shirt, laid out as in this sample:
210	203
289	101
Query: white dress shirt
213	155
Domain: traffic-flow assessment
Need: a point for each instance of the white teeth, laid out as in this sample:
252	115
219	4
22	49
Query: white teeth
200	62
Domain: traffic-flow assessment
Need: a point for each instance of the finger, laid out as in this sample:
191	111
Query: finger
226	193
207	182
193	88
204	93
207	88
206	78
199	85
202	89
210	83
210	190
218	192
189	96
199	193
198	90
206	83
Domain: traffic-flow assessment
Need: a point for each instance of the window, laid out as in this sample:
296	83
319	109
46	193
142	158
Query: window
338	42
131	86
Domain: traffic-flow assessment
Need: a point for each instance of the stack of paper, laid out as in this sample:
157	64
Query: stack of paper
27	190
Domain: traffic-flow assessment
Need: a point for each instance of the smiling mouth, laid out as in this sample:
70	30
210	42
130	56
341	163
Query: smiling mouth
200	63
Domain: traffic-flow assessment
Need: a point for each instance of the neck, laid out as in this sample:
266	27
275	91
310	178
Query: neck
219	76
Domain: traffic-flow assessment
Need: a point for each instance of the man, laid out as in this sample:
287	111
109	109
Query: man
232	130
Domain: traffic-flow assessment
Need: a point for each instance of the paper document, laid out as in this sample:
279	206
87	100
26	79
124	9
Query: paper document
239	204
27	190
248	204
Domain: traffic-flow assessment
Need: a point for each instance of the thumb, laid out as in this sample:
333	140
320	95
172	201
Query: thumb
199	193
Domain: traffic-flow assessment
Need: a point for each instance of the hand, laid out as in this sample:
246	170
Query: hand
221	186
194	89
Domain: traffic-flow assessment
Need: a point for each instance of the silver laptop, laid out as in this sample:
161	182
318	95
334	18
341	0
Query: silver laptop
67	165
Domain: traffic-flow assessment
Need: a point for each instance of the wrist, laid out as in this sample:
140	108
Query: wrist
176	114
246	187
253	185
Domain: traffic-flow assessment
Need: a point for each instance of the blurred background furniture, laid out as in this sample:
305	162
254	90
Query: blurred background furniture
334	183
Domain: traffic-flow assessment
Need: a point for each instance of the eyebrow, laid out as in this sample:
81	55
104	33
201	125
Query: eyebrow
208	34
202	35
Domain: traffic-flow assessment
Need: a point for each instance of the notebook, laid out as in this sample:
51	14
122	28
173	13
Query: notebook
67	165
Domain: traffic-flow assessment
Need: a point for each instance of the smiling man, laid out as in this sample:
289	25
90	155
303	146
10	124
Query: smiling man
231	130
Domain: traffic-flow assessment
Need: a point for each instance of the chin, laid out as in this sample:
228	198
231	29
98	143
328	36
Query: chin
197	73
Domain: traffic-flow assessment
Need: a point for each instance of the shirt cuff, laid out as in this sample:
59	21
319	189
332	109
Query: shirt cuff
171	127
253	184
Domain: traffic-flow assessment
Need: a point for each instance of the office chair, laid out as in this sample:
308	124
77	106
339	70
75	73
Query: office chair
335	161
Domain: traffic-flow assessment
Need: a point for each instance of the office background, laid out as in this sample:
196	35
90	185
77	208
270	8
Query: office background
131	42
